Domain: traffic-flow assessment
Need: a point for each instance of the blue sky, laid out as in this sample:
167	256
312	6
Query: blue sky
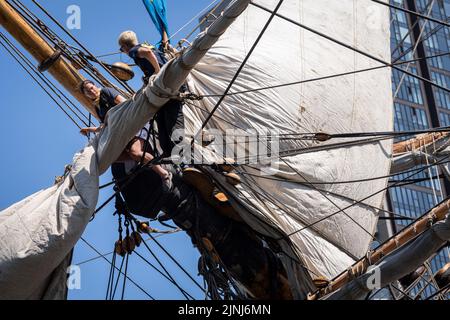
37	141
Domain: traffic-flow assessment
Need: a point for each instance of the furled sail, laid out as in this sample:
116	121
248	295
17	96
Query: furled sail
359	102
38	234
421	150
403	261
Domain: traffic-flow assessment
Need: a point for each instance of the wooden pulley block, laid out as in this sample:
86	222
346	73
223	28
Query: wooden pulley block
221	197
137	238
144	228
233	178
211	250
322	136
119	248
50	61
78	64
122	71
223	205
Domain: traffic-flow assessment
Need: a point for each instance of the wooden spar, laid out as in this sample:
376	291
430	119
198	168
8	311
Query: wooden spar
423	224
31	41
423	140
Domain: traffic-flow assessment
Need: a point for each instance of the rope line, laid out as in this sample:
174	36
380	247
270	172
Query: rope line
320	78
412	12
241	67
366	54
39	79
109	262
368	197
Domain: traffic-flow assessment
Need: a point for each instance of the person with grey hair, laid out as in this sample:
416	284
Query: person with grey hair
147	58
170	118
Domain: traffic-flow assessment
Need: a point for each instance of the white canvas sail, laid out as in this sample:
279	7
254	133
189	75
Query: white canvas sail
357	103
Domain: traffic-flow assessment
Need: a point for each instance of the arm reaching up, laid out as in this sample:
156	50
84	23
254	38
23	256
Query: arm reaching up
147	53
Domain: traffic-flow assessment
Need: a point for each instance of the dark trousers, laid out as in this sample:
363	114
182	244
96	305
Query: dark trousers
169	119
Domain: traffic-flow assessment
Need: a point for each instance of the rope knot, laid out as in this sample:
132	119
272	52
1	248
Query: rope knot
190	96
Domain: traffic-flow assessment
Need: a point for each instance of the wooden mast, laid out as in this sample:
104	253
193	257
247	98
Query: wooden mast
423	140
31	41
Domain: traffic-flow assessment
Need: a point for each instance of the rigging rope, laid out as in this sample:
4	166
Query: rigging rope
131	217
368	197
125	278
39	27
199	97
109	262
160	272
123	83
424	38
112	252
366	54
399	45
443	290
241	67
172	280
177	263
38	78
70	52
296	217
111	277
412	12
118	279
330	182
329	199
402	183
195	17
400	84
127	258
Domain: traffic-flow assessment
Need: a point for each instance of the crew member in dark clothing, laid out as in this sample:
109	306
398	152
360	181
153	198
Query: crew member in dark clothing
105	99
241	251
150	60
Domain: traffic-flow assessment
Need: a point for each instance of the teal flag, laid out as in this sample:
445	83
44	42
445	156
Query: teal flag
157	11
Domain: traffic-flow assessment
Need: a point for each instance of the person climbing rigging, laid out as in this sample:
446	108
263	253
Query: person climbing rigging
170	118
105	99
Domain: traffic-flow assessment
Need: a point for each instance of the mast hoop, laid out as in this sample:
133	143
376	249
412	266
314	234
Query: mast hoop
50	61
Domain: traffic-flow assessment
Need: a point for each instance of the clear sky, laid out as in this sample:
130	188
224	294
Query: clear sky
37	141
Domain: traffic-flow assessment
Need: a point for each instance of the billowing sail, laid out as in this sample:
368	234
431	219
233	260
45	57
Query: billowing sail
359	102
